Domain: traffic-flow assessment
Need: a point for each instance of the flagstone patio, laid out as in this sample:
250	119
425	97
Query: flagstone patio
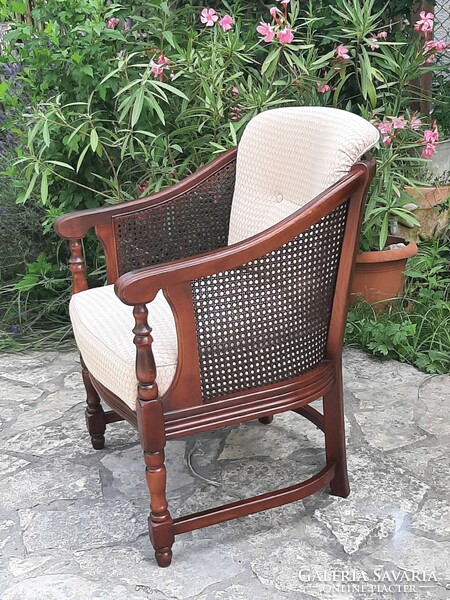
73	521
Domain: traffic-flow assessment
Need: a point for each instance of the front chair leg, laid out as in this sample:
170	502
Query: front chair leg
160	524
333	408
150	418
95	417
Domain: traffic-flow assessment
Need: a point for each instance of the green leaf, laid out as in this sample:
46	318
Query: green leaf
233	133
30	187
94	139
271	61
167	35
46	134
19	6
81	157
60	164
170	88
44	187
137	107
155	106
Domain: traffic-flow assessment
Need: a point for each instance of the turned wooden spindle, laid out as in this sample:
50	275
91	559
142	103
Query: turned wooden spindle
77	267
95	416
150	417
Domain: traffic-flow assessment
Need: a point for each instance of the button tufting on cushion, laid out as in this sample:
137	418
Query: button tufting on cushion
103	325
297	151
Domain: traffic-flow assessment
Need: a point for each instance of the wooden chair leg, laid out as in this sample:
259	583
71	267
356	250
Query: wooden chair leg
160	524
333	408
266	420
95	417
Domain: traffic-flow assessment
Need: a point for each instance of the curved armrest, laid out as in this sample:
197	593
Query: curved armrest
76	225
142	285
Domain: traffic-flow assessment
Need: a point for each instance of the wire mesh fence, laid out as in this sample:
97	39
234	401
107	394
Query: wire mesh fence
442	31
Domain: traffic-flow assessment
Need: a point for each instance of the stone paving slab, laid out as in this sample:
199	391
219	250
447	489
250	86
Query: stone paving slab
73	521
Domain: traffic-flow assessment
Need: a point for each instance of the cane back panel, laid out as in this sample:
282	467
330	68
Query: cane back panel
267	321
194	222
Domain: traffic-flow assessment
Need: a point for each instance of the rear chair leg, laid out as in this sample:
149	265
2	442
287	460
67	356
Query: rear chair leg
266	420
95	417
333	409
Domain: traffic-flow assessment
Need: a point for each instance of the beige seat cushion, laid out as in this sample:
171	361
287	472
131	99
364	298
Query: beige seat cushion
286	157
103	325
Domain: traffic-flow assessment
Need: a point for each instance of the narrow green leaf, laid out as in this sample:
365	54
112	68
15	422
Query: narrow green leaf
137	107
94	139
46	134
81	158
44	187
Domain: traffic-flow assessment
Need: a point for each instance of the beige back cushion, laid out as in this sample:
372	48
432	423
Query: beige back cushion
289	155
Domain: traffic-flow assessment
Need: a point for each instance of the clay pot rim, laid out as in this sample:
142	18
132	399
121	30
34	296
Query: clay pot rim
380	256
425	188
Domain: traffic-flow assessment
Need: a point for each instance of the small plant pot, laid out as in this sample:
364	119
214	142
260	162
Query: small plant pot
379	275
433	213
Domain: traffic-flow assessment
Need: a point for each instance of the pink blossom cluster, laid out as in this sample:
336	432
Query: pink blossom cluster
431	47
342	52
374	37
430	139
112	23
159	66
390	126
209	18
280	26
425	23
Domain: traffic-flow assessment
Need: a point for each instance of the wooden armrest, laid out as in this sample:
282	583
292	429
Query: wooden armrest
76	225
142	285
185	219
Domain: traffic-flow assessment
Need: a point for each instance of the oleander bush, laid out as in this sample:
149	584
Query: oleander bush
105	102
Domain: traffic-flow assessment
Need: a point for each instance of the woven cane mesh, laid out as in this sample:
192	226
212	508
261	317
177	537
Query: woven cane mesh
267	320
195	222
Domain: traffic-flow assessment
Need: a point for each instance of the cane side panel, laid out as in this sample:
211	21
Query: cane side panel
267	321
194	222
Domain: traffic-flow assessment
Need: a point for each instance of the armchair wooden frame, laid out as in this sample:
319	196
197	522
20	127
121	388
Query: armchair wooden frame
182	409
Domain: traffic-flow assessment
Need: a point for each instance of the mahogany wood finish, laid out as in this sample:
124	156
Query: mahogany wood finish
182	410
95	417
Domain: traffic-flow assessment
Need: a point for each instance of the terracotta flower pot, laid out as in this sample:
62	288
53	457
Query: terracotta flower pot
379	275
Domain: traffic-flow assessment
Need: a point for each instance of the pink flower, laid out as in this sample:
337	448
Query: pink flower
429	150
235	90
425	24
342	52
373	43
156	69
266	30
431	136
399	123
226	22
415	123
382	35
323	87
112	23
285	36
274	13
441	46
208	16
387	140
284	2
385	127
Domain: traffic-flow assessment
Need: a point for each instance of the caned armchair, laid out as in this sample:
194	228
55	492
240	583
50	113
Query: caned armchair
226	299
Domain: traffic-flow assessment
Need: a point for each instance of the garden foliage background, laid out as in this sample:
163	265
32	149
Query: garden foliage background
103	102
